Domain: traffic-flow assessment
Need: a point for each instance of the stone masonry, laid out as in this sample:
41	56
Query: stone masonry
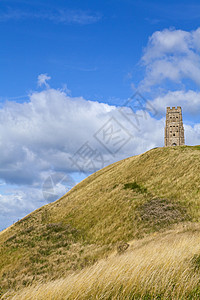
174	130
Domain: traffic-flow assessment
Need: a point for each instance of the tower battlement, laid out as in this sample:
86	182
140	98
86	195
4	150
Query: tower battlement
174	130
174	109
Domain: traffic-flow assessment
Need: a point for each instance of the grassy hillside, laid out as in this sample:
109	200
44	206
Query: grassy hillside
129	200
162	266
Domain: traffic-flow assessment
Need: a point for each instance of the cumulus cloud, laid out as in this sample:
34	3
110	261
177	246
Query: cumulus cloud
188	100
48	131
44	132
171	55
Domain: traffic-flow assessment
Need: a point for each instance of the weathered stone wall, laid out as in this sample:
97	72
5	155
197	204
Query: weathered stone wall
174	130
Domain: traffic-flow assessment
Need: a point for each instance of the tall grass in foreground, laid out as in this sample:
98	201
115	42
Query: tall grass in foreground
160	267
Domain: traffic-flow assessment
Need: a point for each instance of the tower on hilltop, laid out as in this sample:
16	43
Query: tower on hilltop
174	130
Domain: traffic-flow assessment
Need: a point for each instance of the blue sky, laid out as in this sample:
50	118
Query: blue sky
66	69
90	45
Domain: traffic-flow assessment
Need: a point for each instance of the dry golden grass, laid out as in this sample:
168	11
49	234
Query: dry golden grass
164	265
128	200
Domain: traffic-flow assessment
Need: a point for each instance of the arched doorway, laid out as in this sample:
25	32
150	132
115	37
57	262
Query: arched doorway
174	144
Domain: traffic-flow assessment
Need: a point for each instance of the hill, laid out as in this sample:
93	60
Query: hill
131	200
163	266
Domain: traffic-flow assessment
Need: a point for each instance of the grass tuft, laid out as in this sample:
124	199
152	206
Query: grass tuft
135	186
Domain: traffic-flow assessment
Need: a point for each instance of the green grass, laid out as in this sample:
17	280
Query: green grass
135	186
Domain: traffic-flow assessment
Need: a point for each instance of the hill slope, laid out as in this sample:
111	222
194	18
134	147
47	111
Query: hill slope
163	266
128	200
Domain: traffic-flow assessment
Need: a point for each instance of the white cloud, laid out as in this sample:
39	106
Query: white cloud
37	138
73	16
171	55
188	100
42	134
45	133
42	80
16	203
65	16
192	134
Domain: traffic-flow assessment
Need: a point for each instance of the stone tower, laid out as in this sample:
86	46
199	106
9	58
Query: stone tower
174	130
